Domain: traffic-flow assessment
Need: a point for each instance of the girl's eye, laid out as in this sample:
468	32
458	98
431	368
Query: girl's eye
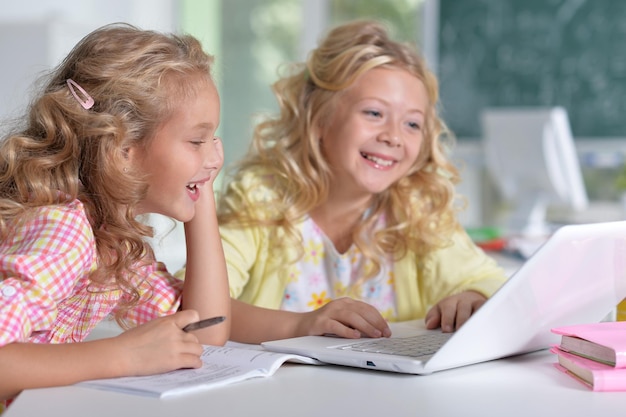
374	113
414	125
197	142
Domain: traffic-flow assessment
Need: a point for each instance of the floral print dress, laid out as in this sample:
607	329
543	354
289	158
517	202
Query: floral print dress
323	274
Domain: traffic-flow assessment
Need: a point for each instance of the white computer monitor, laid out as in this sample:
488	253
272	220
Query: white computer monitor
530	154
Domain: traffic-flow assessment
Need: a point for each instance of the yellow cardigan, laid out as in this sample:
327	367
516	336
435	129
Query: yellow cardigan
258	274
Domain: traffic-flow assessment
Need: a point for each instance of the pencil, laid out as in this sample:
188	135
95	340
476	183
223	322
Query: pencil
203	323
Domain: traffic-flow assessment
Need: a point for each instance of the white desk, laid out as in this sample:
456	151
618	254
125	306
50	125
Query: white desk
526	385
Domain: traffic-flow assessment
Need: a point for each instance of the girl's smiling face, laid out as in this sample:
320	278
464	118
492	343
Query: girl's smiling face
182	157
375	132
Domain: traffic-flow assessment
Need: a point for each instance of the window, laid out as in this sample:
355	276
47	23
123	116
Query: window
258	36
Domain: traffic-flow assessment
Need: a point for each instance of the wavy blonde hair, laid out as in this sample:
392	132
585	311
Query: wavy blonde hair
65	152
418	210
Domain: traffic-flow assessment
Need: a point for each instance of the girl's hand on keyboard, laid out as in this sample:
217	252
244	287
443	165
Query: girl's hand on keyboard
345	317
453	311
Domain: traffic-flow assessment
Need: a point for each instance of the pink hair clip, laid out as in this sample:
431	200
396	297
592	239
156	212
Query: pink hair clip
87	101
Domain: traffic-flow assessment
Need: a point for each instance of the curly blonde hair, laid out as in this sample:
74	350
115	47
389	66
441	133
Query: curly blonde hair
418	210
65	152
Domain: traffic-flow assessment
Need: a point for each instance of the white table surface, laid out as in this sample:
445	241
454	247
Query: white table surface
525	385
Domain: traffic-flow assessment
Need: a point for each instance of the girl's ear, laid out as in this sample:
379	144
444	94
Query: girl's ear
318	131
130	157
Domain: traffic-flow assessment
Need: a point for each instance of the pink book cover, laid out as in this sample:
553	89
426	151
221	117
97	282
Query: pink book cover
611	334
600	377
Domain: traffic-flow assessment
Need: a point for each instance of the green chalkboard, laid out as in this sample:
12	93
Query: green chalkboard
497	53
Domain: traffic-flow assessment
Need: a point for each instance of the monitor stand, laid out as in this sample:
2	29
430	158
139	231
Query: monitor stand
529	219
527	228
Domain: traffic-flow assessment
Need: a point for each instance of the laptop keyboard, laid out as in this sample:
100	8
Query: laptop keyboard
414	346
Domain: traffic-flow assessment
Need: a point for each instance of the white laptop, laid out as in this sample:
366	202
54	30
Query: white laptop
577	276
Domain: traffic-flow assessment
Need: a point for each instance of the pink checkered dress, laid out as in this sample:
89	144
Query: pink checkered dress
45	293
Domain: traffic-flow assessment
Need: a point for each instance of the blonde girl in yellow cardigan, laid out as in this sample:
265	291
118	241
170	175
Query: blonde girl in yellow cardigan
342	216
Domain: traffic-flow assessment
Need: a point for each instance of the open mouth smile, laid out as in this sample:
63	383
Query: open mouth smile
377	160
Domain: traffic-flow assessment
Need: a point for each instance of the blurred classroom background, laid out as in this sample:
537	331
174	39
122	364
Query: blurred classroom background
486	53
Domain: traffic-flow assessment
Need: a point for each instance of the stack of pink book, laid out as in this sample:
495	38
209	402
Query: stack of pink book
594	354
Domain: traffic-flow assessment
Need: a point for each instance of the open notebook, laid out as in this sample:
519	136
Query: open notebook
577	276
